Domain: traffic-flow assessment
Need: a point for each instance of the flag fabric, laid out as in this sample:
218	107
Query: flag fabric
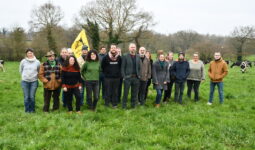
80	40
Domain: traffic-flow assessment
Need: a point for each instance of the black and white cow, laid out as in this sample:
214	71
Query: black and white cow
243	66
238	63
2	65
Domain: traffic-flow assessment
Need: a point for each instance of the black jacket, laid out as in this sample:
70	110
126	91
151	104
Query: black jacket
180	71
110	68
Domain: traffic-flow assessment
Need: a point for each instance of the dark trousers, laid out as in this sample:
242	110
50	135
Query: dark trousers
179	88
195	86
69	98
92	88
111	86
82	92
159	96
134	84
147	88
120	90
142	92
168	92
101	85
47	96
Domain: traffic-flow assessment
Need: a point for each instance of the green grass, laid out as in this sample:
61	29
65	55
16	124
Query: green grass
192	126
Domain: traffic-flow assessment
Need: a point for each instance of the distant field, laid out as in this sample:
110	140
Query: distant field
192	126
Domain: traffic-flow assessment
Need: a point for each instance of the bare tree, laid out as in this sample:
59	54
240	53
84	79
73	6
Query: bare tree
117	18
241	36
47	16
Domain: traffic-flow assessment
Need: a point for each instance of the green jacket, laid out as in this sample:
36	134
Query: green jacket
90	70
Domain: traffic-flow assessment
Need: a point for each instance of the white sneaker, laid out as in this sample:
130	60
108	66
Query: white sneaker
209	103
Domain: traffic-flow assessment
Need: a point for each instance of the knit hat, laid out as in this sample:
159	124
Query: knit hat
84	47
181	53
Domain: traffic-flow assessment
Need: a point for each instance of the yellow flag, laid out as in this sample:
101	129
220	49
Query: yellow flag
80	40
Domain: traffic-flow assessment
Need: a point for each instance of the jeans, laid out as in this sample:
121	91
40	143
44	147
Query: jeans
101	85
29	90
220	86
69	98
179	88
159	96
168	92
142	92
111	91
92	87
47	96
192	84
134	84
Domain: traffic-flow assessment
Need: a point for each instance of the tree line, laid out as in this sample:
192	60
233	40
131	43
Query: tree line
119	22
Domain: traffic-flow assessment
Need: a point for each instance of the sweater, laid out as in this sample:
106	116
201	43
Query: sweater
90	70
111	68
180	71
197	71
71	78
29	69
217	70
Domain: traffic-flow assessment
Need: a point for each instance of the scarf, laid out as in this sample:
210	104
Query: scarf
113	58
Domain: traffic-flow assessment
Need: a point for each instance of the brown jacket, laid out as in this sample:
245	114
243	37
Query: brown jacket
145	66
53	84
217	70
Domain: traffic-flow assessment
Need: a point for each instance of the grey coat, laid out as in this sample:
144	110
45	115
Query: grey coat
160	75
145	66
127	66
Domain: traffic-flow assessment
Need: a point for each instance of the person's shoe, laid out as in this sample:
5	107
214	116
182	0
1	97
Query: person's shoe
69	112
157	105
209	103
79	112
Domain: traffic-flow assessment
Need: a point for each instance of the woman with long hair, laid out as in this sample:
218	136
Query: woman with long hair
71	83
90	72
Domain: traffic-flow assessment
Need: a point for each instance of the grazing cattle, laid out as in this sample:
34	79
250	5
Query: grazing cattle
243	66
238	63
2	65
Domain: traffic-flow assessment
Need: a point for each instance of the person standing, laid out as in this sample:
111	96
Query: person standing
61	60
49	75
111	68
180	72
160	77
217	71
90	72
145	66
130	70
148	56
81	60
168	92
121	79
29	68
71	83
101	55
195	77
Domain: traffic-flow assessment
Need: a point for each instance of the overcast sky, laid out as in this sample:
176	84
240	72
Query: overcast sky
204	16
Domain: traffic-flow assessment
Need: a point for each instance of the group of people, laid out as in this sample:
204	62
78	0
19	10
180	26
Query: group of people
107	72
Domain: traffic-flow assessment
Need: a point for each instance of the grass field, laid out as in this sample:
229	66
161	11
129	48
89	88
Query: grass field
191	126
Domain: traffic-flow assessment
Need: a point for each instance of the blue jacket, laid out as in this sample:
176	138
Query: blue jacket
180	71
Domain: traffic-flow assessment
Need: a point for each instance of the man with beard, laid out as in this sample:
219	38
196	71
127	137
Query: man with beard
145	66
218	69
111	68
181	71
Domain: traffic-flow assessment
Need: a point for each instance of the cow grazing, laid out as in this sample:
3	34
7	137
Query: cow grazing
2	65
